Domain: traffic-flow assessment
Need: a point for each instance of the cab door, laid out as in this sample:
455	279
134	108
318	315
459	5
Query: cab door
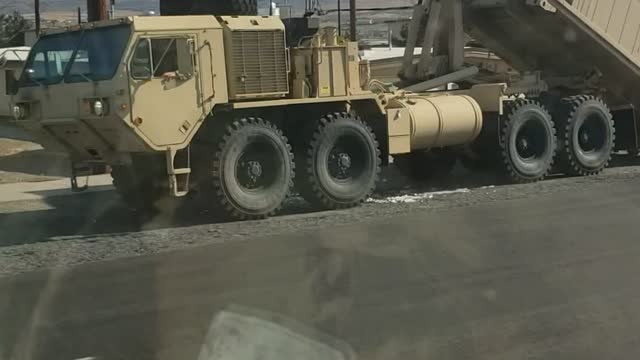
166	101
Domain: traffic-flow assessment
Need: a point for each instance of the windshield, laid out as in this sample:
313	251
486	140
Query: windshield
76	56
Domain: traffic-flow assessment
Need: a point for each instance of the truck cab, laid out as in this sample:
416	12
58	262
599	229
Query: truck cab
99	89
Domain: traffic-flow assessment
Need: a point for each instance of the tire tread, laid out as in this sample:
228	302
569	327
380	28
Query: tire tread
307	184
509	169
567	161
235	126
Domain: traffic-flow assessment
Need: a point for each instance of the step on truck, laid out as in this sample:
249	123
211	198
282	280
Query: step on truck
220	109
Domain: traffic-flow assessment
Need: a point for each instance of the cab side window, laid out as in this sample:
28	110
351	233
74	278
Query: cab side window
161	56
165	56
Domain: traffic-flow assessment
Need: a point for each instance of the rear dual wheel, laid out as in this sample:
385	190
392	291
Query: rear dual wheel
586	135
528	141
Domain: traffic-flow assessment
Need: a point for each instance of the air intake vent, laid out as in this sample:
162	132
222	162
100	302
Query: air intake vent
258	64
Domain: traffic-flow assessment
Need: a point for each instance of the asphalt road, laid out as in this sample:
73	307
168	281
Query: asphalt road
549	275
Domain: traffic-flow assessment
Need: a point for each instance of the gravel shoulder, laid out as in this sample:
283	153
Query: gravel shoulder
95	227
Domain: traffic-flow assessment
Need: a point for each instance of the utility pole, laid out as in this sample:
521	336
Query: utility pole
339	17
352	15
36	9
97	10
79	15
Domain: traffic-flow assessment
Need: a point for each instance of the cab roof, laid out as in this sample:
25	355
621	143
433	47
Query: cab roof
162	23
177	23
147	23
85	26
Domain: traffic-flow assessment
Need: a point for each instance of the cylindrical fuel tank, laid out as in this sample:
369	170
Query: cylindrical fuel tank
438	121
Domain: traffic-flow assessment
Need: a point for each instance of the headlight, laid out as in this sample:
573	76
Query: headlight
19	112
99	107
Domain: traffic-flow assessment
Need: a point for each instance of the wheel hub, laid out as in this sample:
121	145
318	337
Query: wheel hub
529	142
585	139
523	144
593	134
251	173
340	164
254	169
344	161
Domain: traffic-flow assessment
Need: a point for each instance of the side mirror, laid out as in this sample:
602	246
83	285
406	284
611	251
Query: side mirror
191	46
186	57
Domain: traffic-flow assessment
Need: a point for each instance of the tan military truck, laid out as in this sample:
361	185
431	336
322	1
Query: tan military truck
221	108
218	108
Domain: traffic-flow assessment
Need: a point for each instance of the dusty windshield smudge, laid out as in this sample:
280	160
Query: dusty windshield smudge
253	187
76	56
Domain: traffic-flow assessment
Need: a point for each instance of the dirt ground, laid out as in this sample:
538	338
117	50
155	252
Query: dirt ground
540	271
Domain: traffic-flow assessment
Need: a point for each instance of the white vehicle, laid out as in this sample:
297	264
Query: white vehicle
11	63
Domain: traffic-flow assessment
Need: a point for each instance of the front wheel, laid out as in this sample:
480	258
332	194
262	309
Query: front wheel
253	170
341	163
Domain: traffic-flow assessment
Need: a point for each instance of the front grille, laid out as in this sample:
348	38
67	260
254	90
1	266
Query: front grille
258	63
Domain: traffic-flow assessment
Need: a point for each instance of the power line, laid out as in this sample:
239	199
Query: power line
372	9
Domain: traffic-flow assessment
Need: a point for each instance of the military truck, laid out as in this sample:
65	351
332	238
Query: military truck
219	108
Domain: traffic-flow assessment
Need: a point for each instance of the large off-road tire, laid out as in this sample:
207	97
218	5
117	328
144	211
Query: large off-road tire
139	187
340	163
208	7
244	7
426	165
253	170
586	135
527	142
